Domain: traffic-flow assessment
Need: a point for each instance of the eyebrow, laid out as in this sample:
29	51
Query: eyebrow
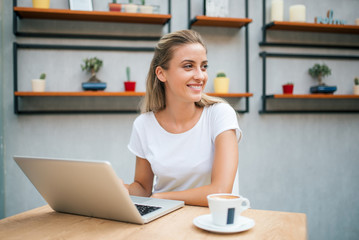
191	61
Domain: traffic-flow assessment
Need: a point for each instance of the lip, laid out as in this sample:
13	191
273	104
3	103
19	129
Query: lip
195	86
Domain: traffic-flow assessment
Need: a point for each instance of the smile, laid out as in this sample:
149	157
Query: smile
195	87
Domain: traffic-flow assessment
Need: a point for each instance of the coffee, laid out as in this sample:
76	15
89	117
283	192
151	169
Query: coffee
224	197
226	208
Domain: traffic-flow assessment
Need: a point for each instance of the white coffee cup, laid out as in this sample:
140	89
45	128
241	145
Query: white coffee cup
226	208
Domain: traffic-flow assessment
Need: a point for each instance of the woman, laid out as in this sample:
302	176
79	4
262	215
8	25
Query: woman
184	138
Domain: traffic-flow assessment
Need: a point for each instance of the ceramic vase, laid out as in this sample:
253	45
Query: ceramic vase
221	85
130	8
356	89
38	85
146	9
115	7
130	86
41	3
288	88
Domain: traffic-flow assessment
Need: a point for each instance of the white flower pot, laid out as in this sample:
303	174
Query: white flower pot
38	85
146	9
356	89
130	8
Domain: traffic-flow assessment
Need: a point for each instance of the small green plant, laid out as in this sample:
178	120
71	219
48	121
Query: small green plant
320	71
43	76
143	2
128	74
114	1
221	74
130	1
92	65
356	81
289	83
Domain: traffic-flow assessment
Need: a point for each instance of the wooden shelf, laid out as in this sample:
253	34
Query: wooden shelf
230	95
90	102
80	94
313	96
113	94
220	22
313	27
65	14
310	103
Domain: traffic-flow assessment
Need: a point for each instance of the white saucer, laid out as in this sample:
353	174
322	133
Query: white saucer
205	222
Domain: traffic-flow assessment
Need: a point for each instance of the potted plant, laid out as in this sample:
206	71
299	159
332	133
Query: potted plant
319	72
130	7
130	86
356	86
145	8
114	6
288	88
38	85
41	3
221	83
93	65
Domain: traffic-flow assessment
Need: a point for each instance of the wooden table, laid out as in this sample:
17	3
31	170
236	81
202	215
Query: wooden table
44	223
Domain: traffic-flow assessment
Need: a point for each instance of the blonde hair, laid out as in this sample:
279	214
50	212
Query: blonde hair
155	99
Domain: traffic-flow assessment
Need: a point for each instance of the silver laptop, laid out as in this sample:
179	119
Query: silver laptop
90	188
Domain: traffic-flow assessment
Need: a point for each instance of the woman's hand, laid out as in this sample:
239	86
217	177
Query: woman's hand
159	195
156	195
126	185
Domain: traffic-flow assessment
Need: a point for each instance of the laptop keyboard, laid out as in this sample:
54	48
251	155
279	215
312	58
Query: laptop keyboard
145	209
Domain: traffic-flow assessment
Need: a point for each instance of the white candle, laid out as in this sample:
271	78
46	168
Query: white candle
277	10
297	13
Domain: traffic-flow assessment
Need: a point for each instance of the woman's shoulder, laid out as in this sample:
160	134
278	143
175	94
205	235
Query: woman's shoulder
223	117
143	118
220	108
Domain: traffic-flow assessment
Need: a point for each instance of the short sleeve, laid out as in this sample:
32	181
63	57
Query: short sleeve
223	118
136	145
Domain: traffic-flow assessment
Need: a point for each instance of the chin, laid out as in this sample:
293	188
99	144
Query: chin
197	98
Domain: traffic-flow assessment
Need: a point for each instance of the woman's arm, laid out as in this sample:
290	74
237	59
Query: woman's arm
142	185
223	173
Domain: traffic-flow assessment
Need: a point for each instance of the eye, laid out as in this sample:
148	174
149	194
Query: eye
204	67
187	66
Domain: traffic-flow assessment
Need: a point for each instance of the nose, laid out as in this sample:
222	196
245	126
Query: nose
200	74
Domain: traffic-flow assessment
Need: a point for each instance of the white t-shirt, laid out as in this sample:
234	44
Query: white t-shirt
182	161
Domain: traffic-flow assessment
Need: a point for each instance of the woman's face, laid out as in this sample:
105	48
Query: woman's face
186	76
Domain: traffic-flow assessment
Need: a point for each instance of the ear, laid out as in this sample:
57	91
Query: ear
160	73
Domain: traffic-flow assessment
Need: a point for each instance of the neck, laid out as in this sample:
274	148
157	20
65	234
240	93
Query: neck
179	117
181	113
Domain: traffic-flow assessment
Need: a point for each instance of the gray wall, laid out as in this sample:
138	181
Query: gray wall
2	182
298	163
